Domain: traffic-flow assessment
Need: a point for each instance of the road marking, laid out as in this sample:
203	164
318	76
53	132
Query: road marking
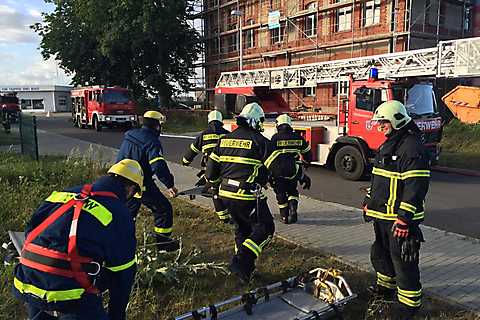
176	136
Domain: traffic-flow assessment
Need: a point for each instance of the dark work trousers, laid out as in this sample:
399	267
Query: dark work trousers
287	193
161	208
253	231
391	271
220	208
89	308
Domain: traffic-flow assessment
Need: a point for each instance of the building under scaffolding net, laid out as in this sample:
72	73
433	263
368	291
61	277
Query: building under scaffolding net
288	32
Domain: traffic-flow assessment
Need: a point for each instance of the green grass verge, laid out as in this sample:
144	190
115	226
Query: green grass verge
170	284
182	121
461	145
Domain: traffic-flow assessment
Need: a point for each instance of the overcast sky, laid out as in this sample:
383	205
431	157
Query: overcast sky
20	60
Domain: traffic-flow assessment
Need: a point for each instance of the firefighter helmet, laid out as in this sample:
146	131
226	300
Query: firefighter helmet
283	119
215	116
254	115
130	170
155	115
394	112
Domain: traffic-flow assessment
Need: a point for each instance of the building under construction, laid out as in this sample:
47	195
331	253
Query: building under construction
288	32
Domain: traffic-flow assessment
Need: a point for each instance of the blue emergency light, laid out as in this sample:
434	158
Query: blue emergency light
373	74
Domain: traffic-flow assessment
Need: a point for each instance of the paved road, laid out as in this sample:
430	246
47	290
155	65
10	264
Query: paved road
453	202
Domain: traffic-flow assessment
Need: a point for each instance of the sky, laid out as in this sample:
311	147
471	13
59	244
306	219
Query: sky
20	60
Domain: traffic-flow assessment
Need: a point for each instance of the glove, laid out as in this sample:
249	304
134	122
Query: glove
400	229
410	247
364	210
305	182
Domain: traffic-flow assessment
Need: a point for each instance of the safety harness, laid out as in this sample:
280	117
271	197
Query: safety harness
70	264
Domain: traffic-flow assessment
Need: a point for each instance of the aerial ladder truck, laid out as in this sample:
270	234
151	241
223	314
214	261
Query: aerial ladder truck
347	139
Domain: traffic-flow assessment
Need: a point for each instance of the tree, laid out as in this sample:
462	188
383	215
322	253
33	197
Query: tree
145	45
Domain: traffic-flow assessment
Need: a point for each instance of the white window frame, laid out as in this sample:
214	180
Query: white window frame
309	91
371	13
343	18
311	22
250	35
276	35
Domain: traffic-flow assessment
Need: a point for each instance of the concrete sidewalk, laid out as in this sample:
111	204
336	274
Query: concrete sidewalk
450	263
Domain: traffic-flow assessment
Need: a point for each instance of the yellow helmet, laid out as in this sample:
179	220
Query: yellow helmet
283	119
155	115
393	111
215	115
129	169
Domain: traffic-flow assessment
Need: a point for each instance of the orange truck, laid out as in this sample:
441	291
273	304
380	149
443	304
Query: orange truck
98	107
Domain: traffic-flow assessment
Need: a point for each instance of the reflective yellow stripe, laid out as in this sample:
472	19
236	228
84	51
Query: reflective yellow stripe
223	214
123	266
292	198
403	176
308	148
236	195
162	230
214	157
419	216
264	243
386	284
50	296
408	207
236	143
381	215
385	277
409	302
289	143
215	181
242	160
410	294
185	161
254	174
208	146
91	206
252	246
211	136
278	152
156	159
193	148
283	205
393	195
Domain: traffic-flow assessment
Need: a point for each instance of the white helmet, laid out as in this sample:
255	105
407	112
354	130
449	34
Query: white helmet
254	115
394	112
283	119
215	116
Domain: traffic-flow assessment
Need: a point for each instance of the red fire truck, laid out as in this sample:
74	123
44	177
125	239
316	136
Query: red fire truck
10	106
100	106
347	139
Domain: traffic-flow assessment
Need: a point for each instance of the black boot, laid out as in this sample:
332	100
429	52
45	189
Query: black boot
165	243
242	267
382	292
284	215
403	312
293	205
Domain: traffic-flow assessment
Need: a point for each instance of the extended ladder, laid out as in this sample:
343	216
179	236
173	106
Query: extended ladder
450	59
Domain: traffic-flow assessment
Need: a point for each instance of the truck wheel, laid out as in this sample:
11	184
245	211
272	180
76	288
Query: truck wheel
96	124
349	163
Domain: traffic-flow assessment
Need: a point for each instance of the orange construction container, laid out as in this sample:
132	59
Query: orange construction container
464	102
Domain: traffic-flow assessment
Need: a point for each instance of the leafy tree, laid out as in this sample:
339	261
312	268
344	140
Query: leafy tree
145	45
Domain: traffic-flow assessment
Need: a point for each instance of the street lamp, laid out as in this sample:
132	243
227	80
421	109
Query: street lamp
238	14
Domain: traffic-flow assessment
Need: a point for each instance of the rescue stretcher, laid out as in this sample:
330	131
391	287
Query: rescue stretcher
317	294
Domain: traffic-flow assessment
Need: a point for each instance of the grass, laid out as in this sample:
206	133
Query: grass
171	284
461	145
7	139
184	121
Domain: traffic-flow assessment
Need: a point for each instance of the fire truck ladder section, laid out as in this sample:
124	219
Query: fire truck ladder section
450	59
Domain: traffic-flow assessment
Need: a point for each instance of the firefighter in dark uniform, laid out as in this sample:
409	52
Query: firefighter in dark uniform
395	202
205	143
143	145
237	164
79	243
286	167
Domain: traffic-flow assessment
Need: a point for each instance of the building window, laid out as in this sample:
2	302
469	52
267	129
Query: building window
343	88
275	4
62	101
250	35
371	12
276	35
38	104
343	17
309	91
311	21
231	42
